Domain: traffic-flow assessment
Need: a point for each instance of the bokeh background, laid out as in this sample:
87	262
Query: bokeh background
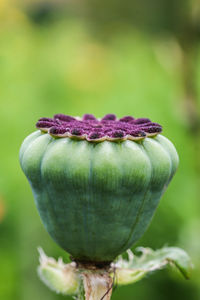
130	57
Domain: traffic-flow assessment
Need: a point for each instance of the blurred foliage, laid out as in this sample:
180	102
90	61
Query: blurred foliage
99	57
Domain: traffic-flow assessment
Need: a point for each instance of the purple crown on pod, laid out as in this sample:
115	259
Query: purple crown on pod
94	130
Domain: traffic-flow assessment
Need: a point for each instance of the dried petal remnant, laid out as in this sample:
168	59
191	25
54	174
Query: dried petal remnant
94	130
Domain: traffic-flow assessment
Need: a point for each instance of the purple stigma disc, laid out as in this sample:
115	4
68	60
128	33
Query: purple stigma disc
93	130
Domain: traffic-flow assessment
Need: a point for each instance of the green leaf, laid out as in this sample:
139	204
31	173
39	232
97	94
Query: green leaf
136	267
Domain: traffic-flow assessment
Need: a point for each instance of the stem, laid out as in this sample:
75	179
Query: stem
191	103
97	284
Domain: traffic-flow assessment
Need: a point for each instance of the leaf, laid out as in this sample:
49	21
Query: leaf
136	267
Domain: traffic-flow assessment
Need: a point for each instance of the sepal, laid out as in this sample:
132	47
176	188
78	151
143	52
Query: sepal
92	283
59	277
136	267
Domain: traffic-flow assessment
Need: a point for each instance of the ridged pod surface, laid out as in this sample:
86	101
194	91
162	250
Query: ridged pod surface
97	199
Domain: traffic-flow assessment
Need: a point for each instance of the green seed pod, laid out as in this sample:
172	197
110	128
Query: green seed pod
97	183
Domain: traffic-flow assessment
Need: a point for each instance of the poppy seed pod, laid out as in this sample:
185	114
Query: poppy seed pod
97	182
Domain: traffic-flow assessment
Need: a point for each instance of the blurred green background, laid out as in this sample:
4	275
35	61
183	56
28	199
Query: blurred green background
130	57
